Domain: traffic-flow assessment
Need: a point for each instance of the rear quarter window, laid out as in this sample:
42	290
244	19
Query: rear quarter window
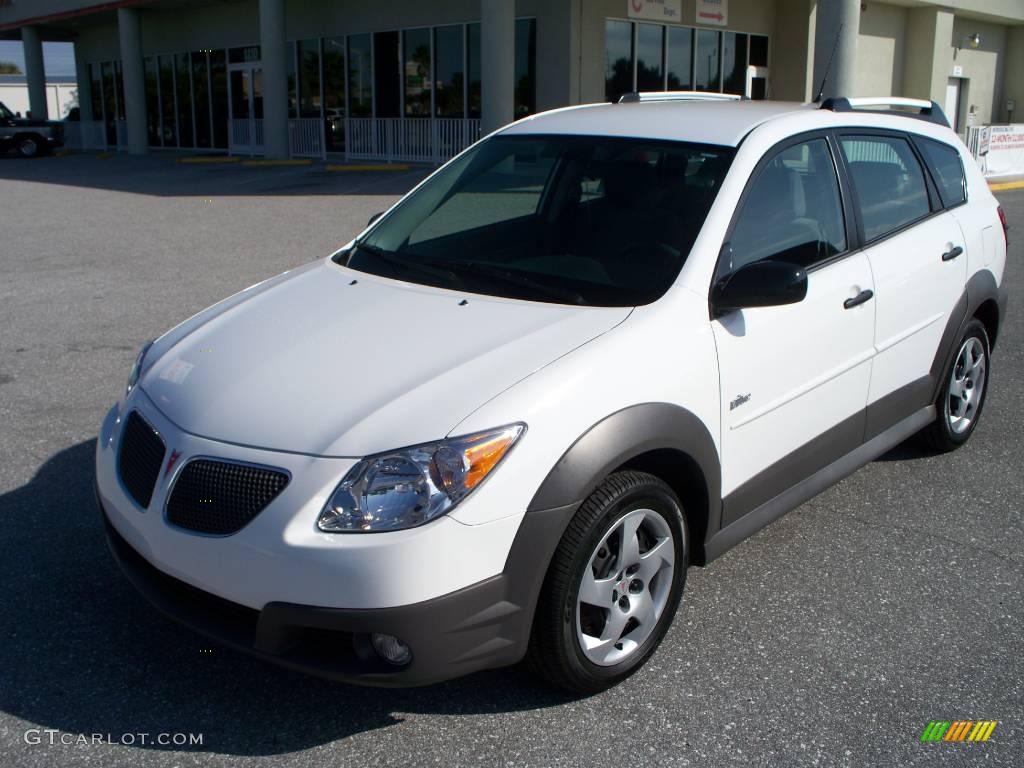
947	170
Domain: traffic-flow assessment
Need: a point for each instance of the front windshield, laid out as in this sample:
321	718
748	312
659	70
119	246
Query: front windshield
587	220
5	112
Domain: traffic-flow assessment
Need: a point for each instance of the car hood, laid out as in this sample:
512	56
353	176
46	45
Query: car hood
331	362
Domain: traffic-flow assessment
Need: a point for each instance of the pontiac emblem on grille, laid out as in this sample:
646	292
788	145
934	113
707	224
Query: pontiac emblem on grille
171	461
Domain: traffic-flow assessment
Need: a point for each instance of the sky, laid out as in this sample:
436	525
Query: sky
58	58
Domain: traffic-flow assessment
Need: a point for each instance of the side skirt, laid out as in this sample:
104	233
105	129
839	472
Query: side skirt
758	518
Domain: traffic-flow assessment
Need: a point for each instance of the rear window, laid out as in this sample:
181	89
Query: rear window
947	170
888	182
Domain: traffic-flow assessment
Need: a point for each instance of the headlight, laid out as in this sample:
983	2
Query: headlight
133	376
411	486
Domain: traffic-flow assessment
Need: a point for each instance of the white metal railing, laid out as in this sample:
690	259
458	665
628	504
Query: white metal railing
245	136
973	139
417	140
306	138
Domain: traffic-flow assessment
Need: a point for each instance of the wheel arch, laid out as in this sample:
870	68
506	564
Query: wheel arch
662	439
988	314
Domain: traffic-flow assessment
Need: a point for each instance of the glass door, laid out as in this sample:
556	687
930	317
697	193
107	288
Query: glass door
245	101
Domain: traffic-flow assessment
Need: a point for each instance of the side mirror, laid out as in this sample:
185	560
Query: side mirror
374	217
761	284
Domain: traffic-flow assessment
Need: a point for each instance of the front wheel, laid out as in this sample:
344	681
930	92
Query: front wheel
613	585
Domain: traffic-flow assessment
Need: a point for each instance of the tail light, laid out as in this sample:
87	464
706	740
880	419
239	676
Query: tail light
1006	227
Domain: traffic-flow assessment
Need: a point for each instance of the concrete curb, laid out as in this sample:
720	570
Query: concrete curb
1001	186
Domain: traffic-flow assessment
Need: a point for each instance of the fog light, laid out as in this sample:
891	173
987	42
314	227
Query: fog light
391	649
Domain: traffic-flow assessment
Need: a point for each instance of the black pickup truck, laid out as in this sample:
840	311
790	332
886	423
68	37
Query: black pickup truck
29	137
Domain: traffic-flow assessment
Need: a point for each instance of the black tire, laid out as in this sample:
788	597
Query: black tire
555	652
29	145
941	436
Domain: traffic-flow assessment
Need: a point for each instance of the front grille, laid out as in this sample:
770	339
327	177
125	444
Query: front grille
140	458
220	497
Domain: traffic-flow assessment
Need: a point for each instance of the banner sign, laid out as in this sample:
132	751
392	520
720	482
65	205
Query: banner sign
656	10
1005	149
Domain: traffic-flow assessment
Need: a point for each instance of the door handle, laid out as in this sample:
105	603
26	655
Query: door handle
859	299
952	253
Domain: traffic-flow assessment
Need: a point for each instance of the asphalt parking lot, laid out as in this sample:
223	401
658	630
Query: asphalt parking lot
831	638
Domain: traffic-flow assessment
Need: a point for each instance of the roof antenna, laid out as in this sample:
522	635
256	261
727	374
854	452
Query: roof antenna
828	67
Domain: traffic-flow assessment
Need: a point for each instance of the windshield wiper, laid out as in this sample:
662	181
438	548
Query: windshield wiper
512	277
395	260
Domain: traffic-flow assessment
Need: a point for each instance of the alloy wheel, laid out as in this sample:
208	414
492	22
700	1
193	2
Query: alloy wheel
966	386
625	587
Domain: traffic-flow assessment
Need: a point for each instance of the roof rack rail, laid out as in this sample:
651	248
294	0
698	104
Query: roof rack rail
894	105
634	96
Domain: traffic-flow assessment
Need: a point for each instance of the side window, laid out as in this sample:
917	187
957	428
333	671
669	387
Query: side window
888	182
947	170
792	211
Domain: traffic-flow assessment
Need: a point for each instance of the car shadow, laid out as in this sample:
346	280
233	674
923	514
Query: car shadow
84	654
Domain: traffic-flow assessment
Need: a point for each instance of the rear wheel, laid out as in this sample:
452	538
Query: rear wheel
962	396
29	146
613	585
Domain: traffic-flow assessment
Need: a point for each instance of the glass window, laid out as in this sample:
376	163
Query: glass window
450	74
473	65
201	99
151	74
360	76
109	102
618	59
792	211
183	82
309	78
566	219
119	86
680	59
387	78
734	62
887	181
649	75
167	107
759	50
947	170
293	85
708	61
219	91
334	93
245	54
416	71
526	68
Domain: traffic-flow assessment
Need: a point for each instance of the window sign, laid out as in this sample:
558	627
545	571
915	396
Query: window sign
655	10
713	12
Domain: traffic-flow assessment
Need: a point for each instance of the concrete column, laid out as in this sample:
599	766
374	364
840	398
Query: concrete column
35	73
275	79
84	86
837	24
497	63
134	80
928	54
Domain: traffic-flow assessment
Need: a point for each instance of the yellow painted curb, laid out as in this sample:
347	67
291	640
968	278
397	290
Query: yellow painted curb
272	163
204	159
382	167
1003	185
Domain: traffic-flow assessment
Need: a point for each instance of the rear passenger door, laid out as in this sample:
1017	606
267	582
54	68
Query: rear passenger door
918	261
794	379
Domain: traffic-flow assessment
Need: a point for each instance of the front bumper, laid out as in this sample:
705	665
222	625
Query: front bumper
482	626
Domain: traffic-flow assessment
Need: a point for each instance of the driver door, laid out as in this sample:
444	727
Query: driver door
794	379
